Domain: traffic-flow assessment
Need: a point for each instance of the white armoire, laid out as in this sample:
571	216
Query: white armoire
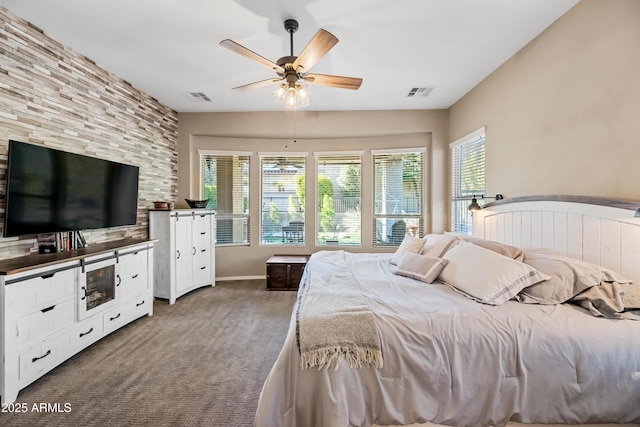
184	257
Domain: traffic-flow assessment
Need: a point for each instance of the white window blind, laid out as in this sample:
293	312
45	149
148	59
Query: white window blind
398	196
225	182
467	179
283	199
339	189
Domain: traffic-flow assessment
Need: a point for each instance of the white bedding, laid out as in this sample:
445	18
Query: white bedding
453	361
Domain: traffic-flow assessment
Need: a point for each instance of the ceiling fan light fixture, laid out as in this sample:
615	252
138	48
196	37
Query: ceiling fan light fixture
293	97
278	94
302	95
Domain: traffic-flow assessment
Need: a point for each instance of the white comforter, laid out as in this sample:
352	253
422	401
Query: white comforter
454	361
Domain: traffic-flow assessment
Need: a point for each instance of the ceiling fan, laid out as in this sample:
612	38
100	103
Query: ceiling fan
291	69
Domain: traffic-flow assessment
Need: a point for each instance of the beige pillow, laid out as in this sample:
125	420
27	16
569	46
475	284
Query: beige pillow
567	277
501	248
436	245
486	276
410	244
420	267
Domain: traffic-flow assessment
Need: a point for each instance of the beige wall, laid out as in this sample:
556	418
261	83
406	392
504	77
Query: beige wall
563	114
313	132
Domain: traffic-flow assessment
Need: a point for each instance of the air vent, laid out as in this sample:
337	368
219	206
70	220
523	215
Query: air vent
197	96
419	91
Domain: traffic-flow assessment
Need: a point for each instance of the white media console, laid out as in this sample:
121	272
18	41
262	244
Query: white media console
54	305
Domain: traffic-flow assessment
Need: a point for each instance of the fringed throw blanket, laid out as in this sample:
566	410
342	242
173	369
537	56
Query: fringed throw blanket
334	321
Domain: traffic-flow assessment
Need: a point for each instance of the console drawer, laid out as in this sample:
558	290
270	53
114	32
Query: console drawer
87	333
43	356
39	291
43	322
114	319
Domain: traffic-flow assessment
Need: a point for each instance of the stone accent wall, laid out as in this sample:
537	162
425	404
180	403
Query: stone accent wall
53	96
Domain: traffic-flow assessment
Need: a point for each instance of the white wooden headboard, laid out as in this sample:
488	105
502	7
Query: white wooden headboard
600	231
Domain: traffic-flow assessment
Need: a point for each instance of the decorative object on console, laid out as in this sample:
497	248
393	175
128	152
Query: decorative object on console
637	215
197	204
47	243
161	205
60	242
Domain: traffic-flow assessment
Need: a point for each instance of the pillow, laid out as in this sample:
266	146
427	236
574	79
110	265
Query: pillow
420	267
612	300
410	244
437	245
486	276
501	248
568	277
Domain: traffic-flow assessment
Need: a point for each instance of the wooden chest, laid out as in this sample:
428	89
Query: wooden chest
285	271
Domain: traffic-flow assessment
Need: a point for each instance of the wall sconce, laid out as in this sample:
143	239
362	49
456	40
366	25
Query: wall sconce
474	206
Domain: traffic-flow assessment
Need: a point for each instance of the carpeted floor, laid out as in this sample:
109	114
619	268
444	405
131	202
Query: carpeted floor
199	362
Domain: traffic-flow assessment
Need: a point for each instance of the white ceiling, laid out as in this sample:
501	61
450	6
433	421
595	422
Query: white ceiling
168	48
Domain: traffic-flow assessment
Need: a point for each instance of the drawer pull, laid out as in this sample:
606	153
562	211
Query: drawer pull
178	253
140	303
85	292
203	232
119	280
202	268
134	276
203	250
47	276
86	333
194	251
114	318
44	310
35	359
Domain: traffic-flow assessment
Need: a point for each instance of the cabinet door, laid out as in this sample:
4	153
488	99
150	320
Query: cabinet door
132	271
184	252
277	276
203	243
295	274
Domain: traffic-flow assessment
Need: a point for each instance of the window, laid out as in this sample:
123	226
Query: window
225	182
398	195
467	178
283	197
338	198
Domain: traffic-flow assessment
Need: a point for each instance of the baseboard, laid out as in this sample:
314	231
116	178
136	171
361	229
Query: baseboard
230	278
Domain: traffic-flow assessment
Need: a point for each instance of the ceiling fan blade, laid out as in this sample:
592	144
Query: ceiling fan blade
320	44
241	50
341	82
256	85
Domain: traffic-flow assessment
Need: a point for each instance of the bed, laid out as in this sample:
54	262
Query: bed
458	356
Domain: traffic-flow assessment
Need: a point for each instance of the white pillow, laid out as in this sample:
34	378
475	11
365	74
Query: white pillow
436	245
420	267
409	244
486	276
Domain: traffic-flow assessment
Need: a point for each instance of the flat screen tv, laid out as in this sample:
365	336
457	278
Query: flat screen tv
51	191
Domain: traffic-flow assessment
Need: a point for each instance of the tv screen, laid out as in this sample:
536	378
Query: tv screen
51	190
